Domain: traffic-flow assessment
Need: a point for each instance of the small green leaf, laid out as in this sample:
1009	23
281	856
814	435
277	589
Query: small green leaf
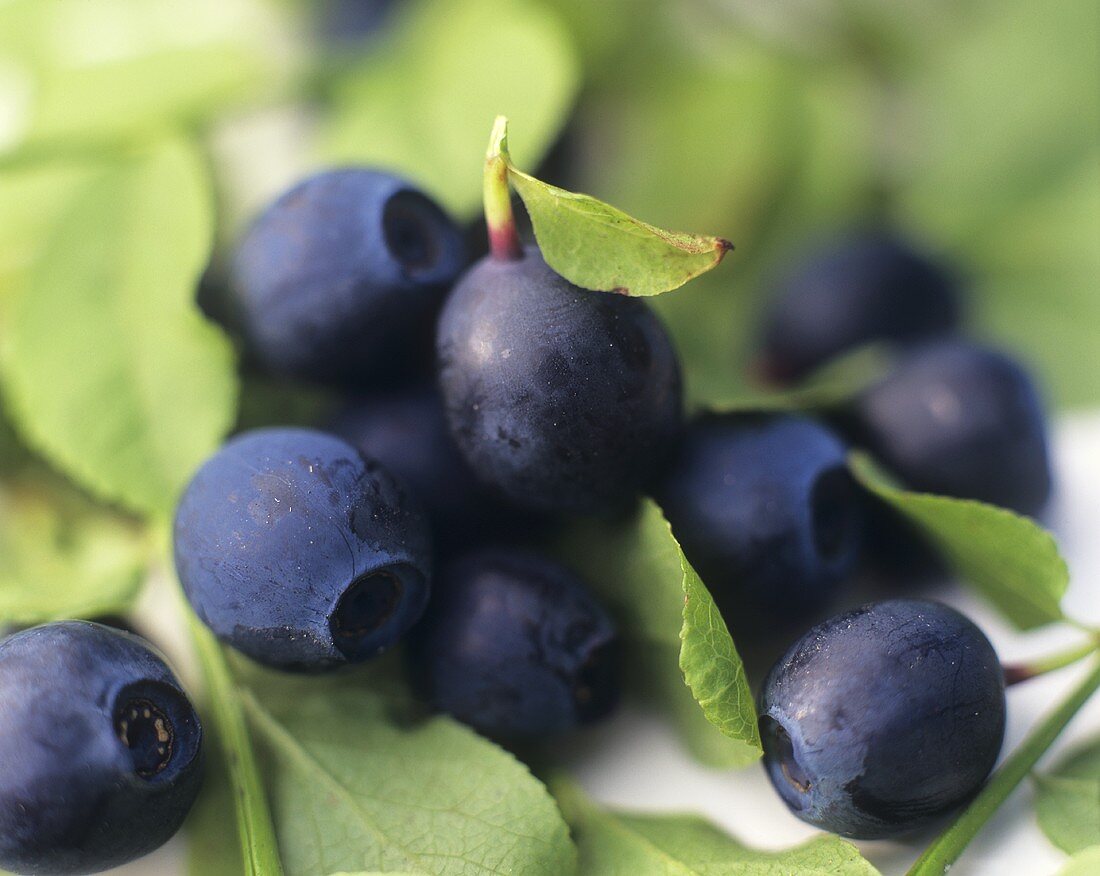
621	844
109	369
675	636
356	784
1010	559
63	557
1067	800
420	104
1084	863
597	246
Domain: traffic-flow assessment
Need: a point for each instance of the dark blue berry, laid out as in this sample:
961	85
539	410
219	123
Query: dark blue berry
878	720
299	552
514	645
871	287
962	420
560	398
766	512
100	749
340	279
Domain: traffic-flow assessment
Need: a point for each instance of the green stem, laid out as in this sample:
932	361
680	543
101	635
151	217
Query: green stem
254	826
1018	672
947	847
504	242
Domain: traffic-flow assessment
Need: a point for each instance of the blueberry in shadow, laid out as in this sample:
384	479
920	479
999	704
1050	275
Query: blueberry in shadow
406	430
514	645
960	419
766	512
849	292
301	553
100	749
883	718
559	398
339	281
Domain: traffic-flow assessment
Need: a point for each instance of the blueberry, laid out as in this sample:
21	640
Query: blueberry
350	22
299	552
100	749
766	512
959	419
883	718
852	291
514	645
406	431
340	279
560	398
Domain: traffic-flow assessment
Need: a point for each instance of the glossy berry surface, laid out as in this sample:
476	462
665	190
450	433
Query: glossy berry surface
296	550
882	718
514	645
339	281
766	512
872	287
407	432
560	398
100	749
962	420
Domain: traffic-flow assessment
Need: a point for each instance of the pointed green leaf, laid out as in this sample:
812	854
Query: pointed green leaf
621	844
1010	559
1067	800
63	557
597	246
357	784
420	104
109	369
675	637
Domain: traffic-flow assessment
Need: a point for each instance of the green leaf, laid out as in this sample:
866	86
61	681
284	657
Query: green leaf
213	847
356	784
420	104
1084	863
103	69
109	370
62	557
596	246
622	844
1067	800
675	637
1010	559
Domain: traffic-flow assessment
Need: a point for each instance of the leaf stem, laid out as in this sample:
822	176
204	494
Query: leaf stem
1019	672
254	826
504	242
947	847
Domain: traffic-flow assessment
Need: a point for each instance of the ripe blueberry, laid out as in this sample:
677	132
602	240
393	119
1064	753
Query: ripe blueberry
514	645
407	432
853	291
882	718
766	512
560	398
961	420
100	749
298	551
340	279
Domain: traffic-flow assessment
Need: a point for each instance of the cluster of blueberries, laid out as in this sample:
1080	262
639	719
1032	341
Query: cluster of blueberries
412	517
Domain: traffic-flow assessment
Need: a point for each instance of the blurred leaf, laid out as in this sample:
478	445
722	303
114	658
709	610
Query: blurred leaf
674	636
430	795
596	246
1067	800
620	844
1084	863
1010	559
109	370
100	69
997	112
213	848
420	103
62	557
